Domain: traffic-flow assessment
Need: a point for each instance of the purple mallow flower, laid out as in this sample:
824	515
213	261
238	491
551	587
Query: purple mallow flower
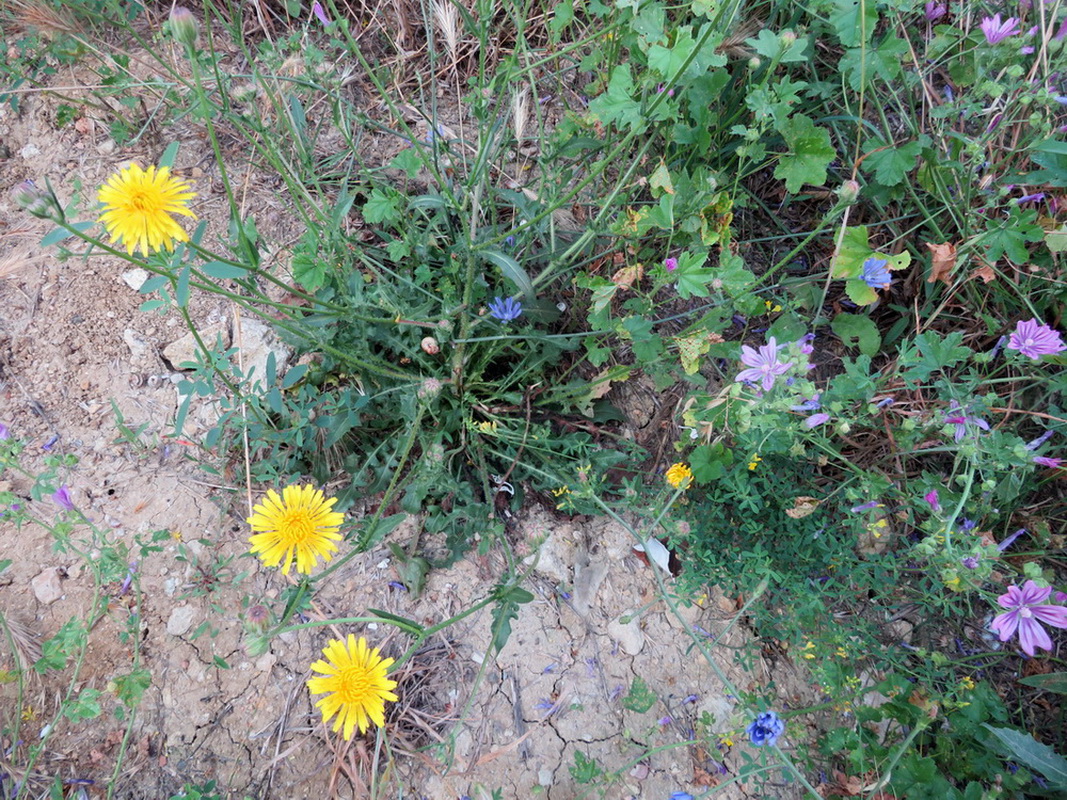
765	729
505	309
1026	611
816	419
876	273
955	416
931	498
970	562
317	10
1010	540
764	363
1047	461
61	497
4	432
997	31
670	264
1034	340
934	11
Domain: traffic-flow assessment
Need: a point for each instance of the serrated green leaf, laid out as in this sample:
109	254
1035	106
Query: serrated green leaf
854	21
407	160
660	179
890	163
382	206
709	462
691	277
668	61
617	105
640	698
810	153
690	349
856	330
861	66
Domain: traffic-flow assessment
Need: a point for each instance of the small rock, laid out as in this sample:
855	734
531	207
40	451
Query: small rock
29	151
138	346
181	620
629	634
265	663
258	342
46	586
185	349
135	278
545	777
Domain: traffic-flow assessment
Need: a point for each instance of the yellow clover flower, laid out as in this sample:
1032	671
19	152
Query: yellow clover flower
299	523
138	205
355	684
679	476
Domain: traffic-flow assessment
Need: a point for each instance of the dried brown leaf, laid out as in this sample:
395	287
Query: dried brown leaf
802	507
985	273
944	262
626	277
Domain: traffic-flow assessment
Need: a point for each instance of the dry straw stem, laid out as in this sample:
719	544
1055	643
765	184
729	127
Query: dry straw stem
520	114
47	21
446	17
22	639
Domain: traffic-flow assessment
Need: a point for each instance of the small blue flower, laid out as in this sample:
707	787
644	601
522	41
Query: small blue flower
505	309
681	796
875	273
765	729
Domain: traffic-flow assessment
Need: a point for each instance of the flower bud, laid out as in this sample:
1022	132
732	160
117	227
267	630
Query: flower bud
849	192
754	63
431	387
430	346
787	38
183	26
41	203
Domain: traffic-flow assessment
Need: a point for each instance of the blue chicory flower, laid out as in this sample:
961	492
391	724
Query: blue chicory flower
876	273
505	309
765	729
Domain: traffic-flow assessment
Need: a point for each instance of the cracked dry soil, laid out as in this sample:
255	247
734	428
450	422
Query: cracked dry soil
72	341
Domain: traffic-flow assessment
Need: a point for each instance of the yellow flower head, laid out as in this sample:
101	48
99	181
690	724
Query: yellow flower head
355	684
298	523
754	462
138	205
679	476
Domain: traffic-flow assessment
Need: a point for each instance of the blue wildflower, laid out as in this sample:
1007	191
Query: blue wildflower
765	729
505	309
875	273
681	796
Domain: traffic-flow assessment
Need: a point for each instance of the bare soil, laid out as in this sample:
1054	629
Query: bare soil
72	342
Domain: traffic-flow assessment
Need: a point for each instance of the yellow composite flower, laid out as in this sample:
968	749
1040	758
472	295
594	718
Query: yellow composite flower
298	523
138	208
679	476
355	684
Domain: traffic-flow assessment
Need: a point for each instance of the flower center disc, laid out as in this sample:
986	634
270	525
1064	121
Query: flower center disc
296	526
354	684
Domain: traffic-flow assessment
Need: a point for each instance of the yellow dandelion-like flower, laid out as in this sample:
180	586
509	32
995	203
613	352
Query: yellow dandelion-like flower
355	683
298	523
679	476
138	205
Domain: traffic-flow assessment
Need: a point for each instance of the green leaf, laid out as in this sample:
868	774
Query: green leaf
859	292
890	163
309	270
220	271
640	698
617	104
585	769
171	153
810	153
691	277
856	330
1034	755
709	462
407	160
382	206
690	349
770	46
181	291
854	21
1011	238
60	234
405	624
1052	682
930	352
668	61
861	66
86	706
130	688
511	270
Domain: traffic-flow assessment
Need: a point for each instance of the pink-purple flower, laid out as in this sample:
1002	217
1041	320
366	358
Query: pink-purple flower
670	264
1027	609
1047	461
320	13
764	363
816	419
961	420
61	497
997	31
1034	340
934	11
931	498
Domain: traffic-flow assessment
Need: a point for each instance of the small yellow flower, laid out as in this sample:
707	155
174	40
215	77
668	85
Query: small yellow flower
679	476
774	308
808	650
138	208
726	741
967	683
176	535
29	714
298	523
355	684
754	462
841	653
487	427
